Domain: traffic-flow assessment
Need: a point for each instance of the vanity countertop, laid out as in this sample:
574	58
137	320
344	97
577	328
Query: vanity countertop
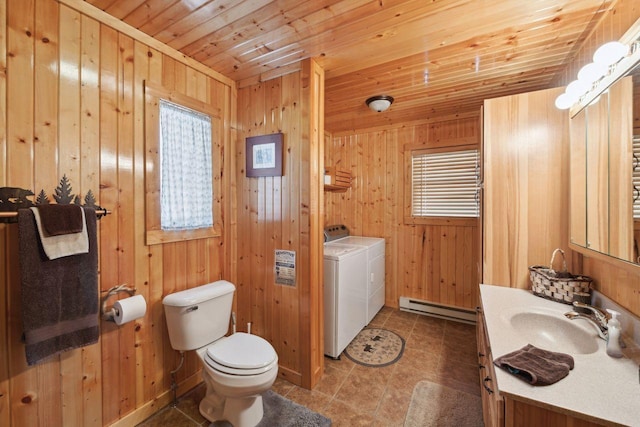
599	388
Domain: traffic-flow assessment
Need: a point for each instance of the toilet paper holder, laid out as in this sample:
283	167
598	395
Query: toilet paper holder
109	315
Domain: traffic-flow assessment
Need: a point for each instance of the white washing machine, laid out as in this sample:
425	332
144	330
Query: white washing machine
375	270
375	265
345	302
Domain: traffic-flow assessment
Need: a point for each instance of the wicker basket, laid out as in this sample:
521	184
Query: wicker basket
557	285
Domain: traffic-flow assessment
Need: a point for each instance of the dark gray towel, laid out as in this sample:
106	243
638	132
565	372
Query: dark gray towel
535	365
59	297
60	219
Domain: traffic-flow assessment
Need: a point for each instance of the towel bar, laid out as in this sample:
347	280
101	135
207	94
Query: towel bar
109	315
99	212
14	198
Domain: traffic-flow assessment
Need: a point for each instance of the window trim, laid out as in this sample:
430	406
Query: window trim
409	219
154	233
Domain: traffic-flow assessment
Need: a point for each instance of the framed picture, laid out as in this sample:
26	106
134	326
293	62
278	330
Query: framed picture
264	155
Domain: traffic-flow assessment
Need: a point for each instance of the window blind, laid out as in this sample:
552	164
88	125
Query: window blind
636	177
445	184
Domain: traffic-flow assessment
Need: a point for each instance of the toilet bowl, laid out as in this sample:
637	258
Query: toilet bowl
236	368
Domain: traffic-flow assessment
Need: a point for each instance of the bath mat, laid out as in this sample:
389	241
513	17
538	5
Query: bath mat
437	405
375	347
282	412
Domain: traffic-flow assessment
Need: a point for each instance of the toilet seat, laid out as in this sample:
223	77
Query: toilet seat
241	354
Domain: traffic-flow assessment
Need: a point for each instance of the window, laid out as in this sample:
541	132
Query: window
182	167
185	168
442	183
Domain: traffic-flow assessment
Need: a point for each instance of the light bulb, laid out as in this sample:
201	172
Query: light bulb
592	72
564	101
576	89
610	53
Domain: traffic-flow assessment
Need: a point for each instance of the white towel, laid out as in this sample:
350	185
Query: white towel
64	244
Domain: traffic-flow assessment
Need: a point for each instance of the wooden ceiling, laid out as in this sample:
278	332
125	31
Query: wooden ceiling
435	57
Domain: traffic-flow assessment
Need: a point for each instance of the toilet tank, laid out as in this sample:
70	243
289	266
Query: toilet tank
198	316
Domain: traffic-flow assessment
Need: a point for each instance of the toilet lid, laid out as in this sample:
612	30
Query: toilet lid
242	351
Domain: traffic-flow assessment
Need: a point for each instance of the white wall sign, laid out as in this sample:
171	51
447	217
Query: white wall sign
285	267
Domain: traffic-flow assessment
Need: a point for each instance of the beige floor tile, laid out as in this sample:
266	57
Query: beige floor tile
343	363
379	376
331	380
386	423
386	311
462	376
429	326
402	327
424	343
344	415
358	392
189	404
462	330
460	350
404	315
312	399
393	407
169	417
404	379
282	387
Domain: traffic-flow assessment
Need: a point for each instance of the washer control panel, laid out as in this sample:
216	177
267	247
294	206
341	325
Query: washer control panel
334	232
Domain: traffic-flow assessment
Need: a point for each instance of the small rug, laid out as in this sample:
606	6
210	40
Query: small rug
440	406
375	347
282	412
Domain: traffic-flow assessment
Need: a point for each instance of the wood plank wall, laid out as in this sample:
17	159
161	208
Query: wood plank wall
620	284
526	179
71	97
434	263
283	212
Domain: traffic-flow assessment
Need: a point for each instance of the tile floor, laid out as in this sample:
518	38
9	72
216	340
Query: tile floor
353	395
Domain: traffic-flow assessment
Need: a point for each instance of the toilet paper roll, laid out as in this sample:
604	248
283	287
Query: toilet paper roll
128	309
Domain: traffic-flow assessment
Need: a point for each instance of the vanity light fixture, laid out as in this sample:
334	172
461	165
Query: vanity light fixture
379	103
605	60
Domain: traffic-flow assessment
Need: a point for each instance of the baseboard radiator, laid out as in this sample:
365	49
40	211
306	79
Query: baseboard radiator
437	310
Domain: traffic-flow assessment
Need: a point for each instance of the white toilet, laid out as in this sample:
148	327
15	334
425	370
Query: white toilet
237	368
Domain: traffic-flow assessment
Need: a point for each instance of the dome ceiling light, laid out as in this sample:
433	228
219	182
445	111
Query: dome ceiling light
379	103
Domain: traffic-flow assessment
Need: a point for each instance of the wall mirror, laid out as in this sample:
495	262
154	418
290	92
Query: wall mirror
605	168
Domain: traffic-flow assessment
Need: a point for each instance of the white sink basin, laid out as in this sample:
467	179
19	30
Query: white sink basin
554	333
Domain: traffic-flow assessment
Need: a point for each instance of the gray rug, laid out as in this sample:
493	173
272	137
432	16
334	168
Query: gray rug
437	405
281	412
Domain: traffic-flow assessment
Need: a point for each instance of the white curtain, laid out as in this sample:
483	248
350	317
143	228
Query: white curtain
186	189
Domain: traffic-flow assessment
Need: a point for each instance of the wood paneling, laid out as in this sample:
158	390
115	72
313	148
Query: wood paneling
622	284
283	212
578	180
524	415
621	170
5	383
526	149
597	176
72	97
429	262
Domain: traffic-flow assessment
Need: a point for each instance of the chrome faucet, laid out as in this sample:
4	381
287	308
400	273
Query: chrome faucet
597	319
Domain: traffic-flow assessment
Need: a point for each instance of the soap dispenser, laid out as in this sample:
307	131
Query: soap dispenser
613	340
